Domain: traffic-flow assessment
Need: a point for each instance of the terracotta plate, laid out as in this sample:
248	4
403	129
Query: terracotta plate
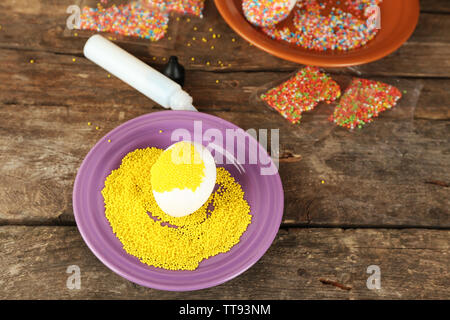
398	21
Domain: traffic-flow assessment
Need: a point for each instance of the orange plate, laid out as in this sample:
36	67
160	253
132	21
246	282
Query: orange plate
398	21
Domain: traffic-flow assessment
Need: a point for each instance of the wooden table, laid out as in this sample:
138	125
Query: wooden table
378	196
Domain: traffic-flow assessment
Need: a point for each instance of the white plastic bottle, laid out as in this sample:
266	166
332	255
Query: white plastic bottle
137	74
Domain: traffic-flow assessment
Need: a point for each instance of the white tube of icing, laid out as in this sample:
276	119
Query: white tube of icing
137	74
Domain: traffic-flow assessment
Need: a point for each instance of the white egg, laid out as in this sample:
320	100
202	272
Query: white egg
183	178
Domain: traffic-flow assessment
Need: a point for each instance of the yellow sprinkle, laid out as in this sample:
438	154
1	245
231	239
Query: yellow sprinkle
178	19
193	59
31	61
210	29
188	20
169	38
204	39
179	167
154	58
195	28
217	81
160	131
164	59
188	44
323	181
193	38
208	63
109	76
212	47
229	64
74	59
97	128
234	40
109	140
75	34
218	36
110	38
214	36
128	198
89	123
219	62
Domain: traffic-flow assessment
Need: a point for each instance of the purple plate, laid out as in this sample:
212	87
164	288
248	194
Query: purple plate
264	194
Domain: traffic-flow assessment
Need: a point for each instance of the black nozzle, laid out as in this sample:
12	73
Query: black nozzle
174	70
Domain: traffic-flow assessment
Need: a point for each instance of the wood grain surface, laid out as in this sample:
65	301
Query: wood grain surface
413	265
352	199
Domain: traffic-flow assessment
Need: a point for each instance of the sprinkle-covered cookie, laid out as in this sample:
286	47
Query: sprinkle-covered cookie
363	101
302	93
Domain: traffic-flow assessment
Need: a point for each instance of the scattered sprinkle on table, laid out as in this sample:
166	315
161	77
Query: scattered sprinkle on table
362	101
301	93
31	61
165	241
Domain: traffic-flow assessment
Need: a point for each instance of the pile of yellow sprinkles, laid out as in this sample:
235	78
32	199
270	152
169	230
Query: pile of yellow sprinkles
165	241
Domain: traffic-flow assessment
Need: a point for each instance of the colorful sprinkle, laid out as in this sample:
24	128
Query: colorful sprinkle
132	19
323	26
302	93
266	13
192	7
363	101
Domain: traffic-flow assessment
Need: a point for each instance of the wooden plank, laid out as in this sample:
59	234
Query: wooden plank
41	154
413	264
374	177
425	54
82	83
435	6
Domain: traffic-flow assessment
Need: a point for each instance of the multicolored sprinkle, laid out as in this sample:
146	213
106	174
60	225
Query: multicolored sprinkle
130	19
266	13
193	7
302	93
363	101
321	26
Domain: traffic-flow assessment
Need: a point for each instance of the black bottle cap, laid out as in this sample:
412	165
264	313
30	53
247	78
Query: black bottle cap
174	70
